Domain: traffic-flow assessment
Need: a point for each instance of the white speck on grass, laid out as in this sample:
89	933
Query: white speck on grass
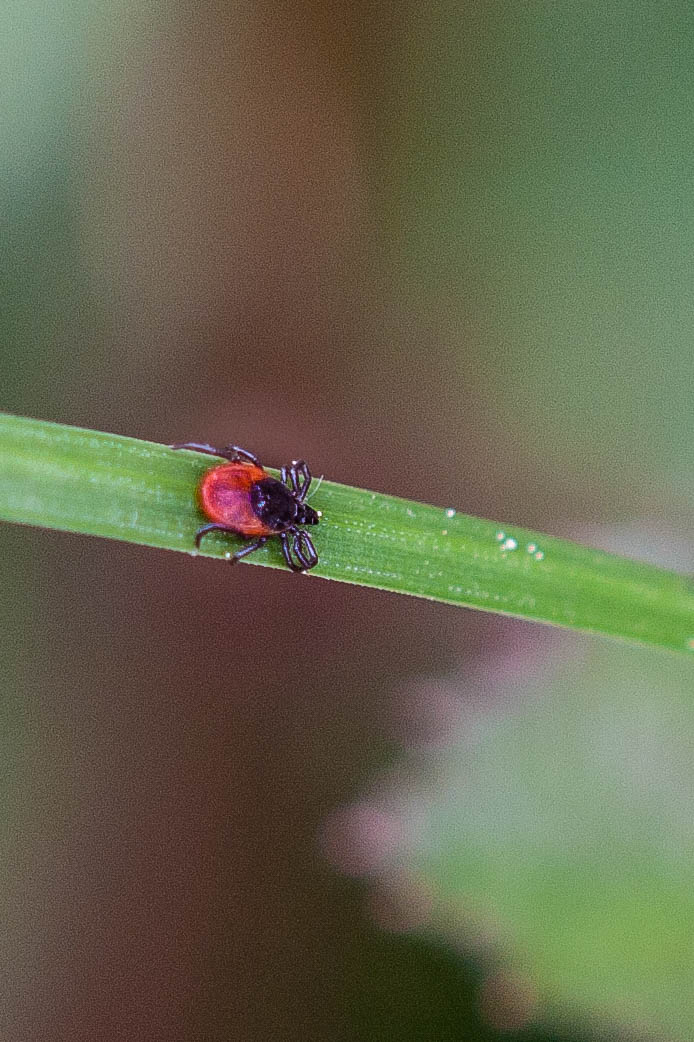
500	536
450	512
509	544
539	556
409	512
531	548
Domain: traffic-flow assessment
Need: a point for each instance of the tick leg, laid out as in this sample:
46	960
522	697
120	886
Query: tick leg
304	549
248	549
297	478
302	478
233	453
202	532
230	452
296	542
195	446
286	550
245	550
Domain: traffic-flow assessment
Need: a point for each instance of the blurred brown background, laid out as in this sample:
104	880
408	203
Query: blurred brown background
213	234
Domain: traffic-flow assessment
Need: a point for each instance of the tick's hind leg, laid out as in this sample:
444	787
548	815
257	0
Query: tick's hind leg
202	532
251	548
243	552
231	452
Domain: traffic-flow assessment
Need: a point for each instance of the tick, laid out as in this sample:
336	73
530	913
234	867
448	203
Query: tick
241	497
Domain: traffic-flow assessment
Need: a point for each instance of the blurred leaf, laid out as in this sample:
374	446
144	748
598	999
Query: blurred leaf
561	830
101	484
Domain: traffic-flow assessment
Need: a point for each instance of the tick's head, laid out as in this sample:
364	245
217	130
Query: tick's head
306	515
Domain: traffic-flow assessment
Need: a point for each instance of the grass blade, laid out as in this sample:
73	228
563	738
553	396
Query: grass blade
105	485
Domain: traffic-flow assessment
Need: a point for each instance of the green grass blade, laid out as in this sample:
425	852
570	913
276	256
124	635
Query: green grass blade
102	484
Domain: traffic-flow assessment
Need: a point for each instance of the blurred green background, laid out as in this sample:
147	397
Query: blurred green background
445	251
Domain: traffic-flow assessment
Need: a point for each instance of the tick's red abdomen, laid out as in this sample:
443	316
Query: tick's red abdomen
224	495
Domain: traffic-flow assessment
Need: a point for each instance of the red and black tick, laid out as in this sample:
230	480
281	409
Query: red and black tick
241	497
